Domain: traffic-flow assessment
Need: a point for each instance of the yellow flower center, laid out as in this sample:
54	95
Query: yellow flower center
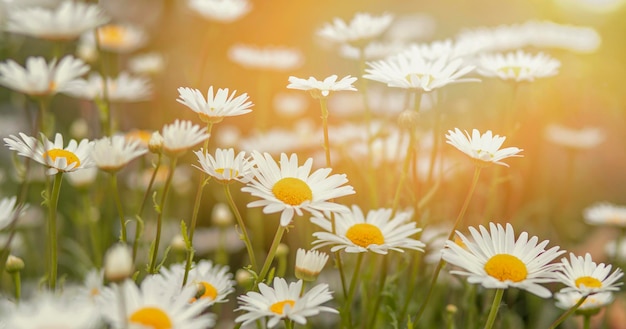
210	118
209	290
459	242
52	86
364	234
427	78
70	157
143	136
292	191
588	282
516	70
232	173
278	307
151	317
505	267
94	292
112	35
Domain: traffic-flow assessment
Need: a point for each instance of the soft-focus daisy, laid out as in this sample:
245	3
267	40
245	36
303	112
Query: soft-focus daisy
411	71
39	78
123	88
495	259
373	51
216	281
274	141
290	188
225	166
483	149
68	21
117	38
7	211
309	264
290	104
605	213
319	89
518	66
359	31
584	138
147	307
51	311
82	178
112	153
147	64
118	263
214	107
52	154
412	27
283	301
567	300
266	58
377	232
225	11
546	34
583	275
180	136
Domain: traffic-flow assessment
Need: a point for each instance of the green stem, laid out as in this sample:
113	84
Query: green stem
568	313
355	277
103	104
94	232
450	236
120	209
242	225
155	250
52	229
586	321
404	173
288	324
18	285
379	296
497	298
143	205
270	255
436	141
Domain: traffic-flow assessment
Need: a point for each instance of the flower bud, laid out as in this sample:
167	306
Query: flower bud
243	278
221	215
408	119
155	145
118	263
14	264
309	264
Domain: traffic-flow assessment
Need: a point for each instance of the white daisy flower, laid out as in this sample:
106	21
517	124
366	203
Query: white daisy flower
518	66
290	104
266	58
605	213
319	89
39	78
123	88
68	21
309	264
147	307
359	31
47	310
215	107
291	188
377	232
583	275
52	154
410	71
495	259
483	149
7	211
216	281
82	178
112	153
225	166
117	38
283	301
546	34
584	138
567	300
373	51
180	136
147	64
225	11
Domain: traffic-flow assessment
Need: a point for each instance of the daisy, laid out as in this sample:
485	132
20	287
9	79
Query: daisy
605	213
320	89
411	71
51	311
225	166
582	275
7	211
117	38
39	78
123	88
82	178
567	300
52	154
583	39
216	281
359	31
147	64
225	11
112	153
118	263
215	107
180	136
483	149
518	66
68	21
283	301
266	58
378	232
495	259
584	138
291	188
411	27
309	264
147	307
